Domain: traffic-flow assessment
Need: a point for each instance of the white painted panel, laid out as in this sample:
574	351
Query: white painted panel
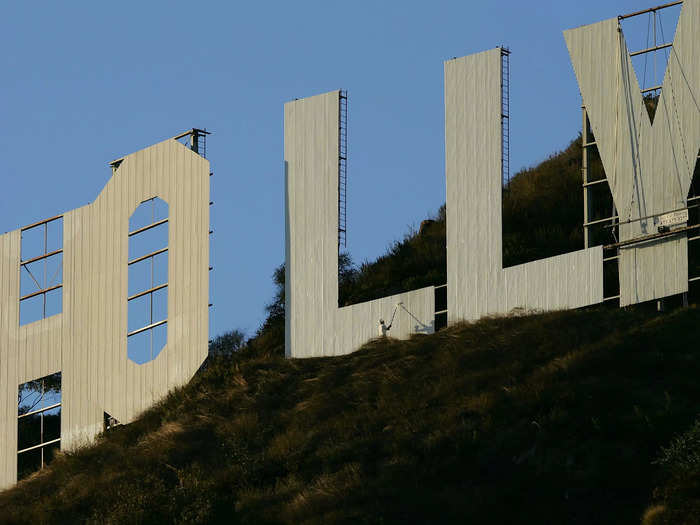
87	341
649	167
477	283
315	326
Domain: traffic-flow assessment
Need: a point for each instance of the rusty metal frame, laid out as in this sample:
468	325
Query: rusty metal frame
42	444
46	287
154	288
650	10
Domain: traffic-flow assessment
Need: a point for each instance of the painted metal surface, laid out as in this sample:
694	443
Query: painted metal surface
315	325
674	218
87	341
649	167
477	283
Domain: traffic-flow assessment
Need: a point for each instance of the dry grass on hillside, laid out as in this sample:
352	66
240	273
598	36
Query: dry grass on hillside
554	417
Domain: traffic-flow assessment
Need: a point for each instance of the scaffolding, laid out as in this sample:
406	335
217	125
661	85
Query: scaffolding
196	140
611	223
43	267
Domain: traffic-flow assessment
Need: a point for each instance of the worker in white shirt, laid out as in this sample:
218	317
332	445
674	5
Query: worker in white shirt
383	328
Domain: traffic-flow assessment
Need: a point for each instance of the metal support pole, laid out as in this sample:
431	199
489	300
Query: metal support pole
41	438
153	284
584	173
655	45
46	276
195	141
652	9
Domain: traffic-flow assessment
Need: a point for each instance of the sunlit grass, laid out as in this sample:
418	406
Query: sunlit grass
558	416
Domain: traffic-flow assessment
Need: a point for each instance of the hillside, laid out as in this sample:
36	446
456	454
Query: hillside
586	416
553	418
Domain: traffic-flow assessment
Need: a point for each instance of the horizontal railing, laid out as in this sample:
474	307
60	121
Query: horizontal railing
39	411
650	10
40	292
147	256
39	223
152	325
40	445
146	292
651	237
40	257
650	49
149	227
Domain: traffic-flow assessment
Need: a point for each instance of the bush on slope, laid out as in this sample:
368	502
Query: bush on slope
552	418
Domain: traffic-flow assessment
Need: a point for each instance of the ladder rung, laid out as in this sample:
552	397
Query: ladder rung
594	182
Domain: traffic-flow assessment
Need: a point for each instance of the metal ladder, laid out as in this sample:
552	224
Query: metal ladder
505	116
199	142
343	170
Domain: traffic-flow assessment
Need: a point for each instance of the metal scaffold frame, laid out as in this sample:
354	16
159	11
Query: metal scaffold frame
196	140
612	222
343	170
588	141
44	284
505	115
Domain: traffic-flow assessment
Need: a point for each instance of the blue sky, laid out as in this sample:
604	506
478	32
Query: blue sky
87	82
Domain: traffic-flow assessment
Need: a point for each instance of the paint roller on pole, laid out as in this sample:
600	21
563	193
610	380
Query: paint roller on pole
383	327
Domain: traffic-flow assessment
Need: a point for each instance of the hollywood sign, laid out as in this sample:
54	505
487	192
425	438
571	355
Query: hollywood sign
649	170
104	309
